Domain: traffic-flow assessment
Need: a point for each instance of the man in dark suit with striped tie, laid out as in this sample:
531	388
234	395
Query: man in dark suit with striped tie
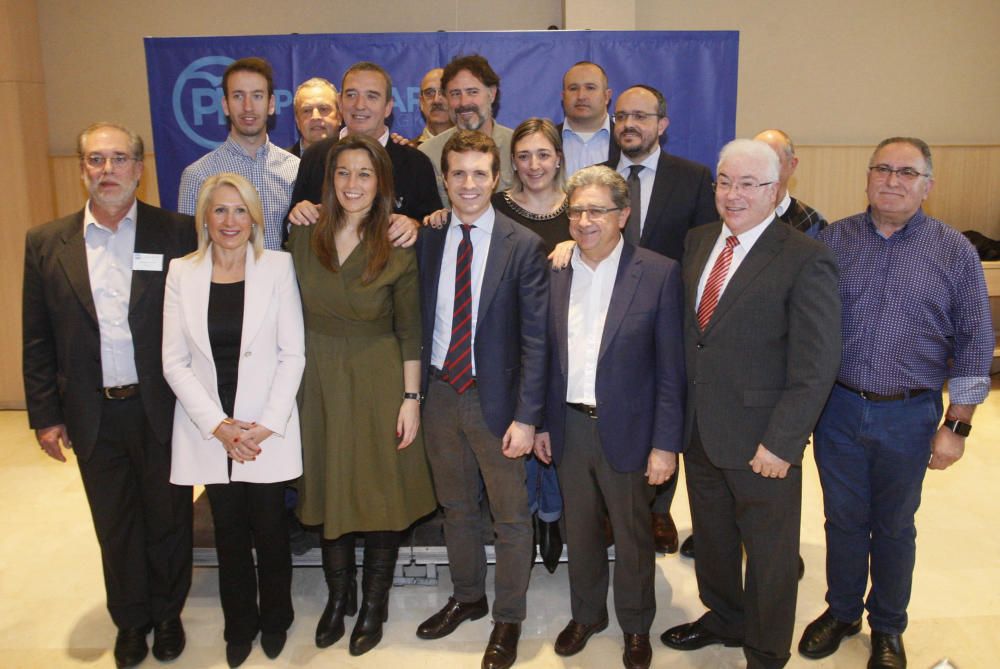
484	299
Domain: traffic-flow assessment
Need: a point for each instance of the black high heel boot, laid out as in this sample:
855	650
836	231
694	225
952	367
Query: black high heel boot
379	565
338	567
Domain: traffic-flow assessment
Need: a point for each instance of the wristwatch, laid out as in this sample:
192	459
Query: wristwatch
414	396
958	427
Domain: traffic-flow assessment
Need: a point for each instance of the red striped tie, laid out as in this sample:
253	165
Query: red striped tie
458	362
713	287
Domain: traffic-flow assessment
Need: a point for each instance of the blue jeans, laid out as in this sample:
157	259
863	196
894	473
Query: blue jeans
872	457
544	496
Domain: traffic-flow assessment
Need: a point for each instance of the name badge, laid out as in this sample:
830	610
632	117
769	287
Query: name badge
147	262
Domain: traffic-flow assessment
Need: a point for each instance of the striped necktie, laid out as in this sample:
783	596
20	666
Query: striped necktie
713	287
458	362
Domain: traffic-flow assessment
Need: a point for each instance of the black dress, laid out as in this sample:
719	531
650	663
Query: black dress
552	228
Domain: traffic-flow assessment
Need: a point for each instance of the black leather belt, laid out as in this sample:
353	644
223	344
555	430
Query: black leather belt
586	409
120	392
875	397
442	375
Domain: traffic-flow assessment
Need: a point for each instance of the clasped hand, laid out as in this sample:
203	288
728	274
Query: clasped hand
241	439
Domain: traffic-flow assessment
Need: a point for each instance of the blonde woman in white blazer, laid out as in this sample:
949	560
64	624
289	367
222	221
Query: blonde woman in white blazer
233	353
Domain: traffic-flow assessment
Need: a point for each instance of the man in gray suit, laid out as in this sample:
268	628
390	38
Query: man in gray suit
762	340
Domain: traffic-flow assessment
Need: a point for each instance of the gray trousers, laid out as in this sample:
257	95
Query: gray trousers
589	486
460	448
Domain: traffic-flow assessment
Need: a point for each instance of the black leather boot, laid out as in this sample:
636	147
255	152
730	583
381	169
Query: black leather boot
380	563
338	567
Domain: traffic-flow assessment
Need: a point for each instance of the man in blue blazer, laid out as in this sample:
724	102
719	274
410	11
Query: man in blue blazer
484	297
614	407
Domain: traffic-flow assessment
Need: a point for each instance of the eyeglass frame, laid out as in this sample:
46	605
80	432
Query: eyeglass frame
640	116
593	213
117	160
738	186
907	174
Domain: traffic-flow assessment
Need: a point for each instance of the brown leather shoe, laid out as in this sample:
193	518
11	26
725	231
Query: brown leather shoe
664	533
454	613
638	653
574	637
501	651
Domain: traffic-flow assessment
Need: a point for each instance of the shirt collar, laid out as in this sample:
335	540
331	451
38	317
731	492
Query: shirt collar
232	145
785	203
750	237
128	220
915	222
605	127
383	140
614	258
484	222
649	162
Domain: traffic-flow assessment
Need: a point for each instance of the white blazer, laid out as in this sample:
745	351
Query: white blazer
272	357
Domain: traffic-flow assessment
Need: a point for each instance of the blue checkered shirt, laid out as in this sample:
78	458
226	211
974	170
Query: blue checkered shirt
272	171
911	303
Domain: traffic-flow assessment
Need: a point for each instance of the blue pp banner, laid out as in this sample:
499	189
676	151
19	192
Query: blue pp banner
696	71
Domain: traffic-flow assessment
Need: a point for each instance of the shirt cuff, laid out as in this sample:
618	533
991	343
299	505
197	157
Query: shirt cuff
968	389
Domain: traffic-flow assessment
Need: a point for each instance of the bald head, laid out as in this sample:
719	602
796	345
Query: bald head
783	146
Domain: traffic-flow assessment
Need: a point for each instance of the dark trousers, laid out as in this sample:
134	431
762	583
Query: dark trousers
665	495
248	516
872	457
731	508
590	486
143	522
460	448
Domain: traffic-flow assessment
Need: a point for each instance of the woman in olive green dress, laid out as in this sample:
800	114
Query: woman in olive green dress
364	465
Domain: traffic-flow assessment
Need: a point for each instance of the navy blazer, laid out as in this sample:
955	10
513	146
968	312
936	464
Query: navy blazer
62	342
640	382
509	346
682	199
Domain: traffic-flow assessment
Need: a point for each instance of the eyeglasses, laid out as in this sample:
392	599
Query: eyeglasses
621	117
593	213
97	160
430	93
907	174
723	186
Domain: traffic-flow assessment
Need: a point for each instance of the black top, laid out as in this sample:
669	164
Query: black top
552	228
225	330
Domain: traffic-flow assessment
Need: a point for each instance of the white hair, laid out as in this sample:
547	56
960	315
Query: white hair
754	149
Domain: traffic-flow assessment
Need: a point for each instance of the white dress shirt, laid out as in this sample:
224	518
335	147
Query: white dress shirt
646	178
481	233
109	264
740	251
589	299
785	203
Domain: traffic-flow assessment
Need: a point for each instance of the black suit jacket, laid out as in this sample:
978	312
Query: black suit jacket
62	347
295	149
509	347
640	381
682	199
416	193
614	151
762	369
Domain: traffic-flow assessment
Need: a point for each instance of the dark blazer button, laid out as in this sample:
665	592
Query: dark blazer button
699	346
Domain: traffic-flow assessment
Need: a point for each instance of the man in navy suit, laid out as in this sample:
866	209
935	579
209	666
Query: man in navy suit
484	298
668	196
614	407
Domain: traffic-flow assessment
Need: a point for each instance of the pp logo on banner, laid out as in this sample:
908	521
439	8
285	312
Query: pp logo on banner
196	98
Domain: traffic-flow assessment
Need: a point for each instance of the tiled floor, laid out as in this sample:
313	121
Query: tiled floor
52	604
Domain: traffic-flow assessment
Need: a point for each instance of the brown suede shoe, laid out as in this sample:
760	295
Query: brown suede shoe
638	653
501	651
574	637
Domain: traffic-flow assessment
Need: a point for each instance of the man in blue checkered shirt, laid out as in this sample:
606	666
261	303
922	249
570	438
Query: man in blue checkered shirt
248	101
915	315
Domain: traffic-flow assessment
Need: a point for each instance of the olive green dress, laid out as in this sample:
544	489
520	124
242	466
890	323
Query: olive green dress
357	336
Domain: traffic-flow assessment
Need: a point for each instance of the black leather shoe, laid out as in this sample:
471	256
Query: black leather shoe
574	636
550	543
887	651
130	646
272	643
237	653
692	636
638	653
664	533
454	613
168	640
687	548
501	651
822	636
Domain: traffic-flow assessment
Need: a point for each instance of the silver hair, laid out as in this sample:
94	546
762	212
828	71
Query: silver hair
755	149
599	175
